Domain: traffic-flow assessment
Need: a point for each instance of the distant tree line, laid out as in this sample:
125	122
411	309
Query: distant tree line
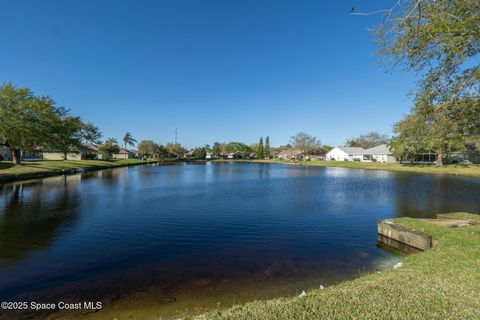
148	149
368	140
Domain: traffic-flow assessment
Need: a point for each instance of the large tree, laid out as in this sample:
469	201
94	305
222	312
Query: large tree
260	149
149	149
218	149
368	140
91	133
267	147
305	142
440	40
438	128
67	134
175	150
238	147
200	153
26	121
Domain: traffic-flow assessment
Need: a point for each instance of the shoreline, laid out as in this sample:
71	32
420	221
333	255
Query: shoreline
459	170
70	167
435	284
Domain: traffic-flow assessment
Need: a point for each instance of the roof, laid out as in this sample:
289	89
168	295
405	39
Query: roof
190	153
84	147
380	149
352	150
317	152
88	147
291	152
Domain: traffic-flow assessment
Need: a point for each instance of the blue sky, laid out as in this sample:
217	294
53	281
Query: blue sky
216	70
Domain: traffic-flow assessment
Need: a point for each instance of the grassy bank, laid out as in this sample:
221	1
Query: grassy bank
37	169
440	283
451	169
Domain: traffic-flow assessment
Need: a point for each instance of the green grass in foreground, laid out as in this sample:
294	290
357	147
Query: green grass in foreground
440	283
7	168
452	169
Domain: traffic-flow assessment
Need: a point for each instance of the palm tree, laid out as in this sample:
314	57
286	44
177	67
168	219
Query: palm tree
111	140
108	148
128	140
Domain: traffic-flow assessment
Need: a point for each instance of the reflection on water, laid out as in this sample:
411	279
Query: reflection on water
34	214
185	238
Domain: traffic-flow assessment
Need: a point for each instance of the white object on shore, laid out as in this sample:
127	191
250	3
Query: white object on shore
321	287
397	265
303	294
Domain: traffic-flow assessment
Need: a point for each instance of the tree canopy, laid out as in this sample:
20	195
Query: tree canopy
238	147
440	40
109	148
149	150
91	134
368	140
260	149
267	147
200	153
175	150
28	121
128	140
305	142
67	134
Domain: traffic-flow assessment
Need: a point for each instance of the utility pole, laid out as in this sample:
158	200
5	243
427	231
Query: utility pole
175	135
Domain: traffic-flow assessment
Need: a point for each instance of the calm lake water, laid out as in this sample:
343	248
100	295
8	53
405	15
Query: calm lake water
185	238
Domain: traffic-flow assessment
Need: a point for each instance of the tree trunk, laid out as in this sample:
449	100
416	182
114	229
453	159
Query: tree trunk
439	162
65	156
17	156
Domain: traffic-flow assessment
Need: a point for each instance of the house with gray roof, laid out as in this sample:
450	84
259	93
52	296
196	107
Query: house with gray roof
380	153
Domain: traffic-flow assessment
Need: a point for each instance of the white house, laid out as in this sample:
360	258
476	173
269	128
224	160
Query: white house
379	153
345	154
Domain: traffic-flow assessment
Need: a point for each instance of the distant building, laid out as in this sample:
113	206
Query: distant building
296	154
125	154
345	154
210	156
190	154
316	154
86	151
234	155
379	153
290	154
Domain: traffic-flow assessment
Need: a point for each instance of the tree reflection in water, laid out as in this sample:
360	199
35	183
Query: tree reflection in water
33	214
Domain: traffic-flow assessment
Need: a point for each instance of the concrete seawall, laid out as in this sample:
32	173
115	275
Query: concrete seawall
415	239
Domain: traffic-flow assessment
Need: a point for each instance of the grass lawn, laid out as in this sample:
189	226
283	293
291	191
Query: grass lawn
452	169
440	283
8	169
